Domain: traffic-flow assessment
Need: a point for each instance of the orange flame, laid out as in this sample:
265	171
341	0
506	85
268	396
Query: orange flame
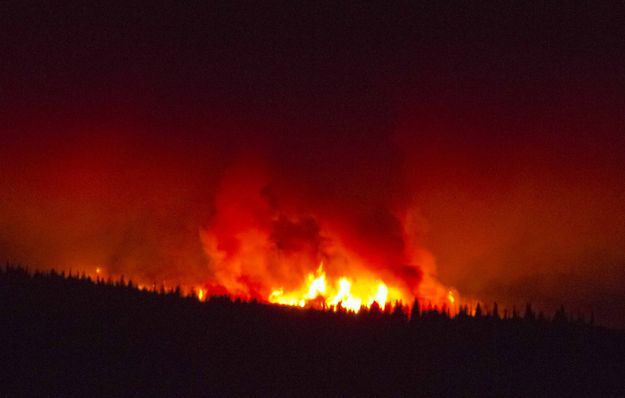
451	298
318	292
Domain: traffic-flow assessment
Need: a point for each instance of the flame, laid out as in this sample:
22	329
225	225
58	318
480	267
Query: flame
319	292
350	288
451	298
301	252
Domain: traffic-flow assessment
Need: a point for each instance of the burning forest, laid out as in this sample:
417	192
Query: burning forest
262	248
274	199
267	240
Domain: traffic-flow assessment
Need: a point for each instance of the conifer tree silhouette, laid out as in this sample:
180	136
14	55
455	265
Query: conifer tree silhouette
529	313
415	311
375	308
495	313
559	316
478	311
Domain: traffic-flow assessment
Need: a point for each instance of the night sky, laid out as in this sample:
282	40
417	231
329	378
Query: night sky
127	131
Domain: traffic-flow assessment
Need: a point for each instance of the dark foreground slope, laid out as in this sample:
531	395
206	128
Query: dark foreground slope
73	337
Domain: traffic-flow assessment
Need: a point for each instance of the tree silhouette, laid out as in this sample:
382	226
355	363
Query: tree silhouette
398	311
415	311
495	312
375	308
529	313
478	311
560	316
231	347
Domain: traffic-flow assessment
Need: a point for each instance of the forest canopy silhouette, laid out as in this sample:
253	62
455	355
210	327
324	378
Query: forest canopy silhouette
75	335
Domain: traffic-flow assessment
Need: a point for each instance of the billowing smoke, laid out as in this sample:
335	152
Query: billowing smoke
137	199
271	232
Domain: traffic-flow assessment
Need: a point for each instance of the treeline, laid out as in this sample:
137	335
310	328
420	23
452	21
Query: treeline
398	310
68	335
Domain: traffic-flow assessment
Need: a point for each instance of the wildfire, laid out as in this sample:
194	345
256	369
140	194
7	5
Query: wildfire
319	292
324	291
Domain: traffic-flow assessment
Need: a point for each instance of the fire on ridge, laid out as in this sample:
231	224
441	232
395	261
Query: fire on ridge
323	292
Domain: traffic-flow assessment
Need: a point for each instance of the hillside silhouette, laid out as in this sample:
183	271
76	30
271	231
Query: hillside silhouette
72	336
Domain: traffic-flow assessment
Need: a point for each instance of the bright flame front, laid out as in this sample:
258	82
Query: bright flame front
350	294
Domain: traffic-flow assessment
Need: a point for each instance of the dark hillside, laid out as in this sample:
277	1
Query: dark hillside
75	337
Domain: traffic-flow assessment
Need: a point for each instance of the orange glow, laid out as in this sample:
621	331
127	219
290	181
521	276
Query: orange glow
319	292
201	294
